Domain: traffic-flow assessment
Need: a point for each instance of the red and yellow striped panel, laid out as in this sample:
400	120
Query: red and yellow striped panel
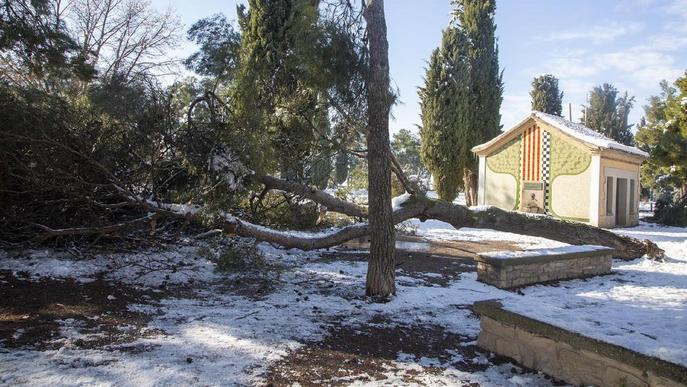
531	154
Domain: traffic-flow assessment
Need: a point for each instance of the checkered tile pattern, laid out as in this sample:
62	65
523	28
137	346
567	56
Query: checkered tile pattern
546	166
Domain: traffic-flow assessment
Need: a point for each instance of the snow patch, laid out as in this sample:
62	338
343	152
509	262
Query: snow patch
398	201
586	134
544	252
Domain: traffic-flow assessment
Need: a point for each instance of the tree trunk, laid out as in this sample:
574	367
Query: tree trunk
470	184
424	208
380	271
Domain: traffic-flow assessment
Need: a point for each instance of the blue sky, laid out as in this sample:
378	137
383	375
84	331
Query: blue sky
632	43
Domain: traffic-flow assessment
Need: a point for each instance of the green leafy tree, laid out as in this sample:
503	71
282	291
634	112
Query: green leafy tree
320	166
406	147
220	46
295	61
608	113
649	133
664	136
546	97
663	133
271	92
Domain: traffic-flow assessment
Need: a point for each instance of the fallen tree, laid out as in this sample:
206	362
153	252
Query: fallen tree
418	206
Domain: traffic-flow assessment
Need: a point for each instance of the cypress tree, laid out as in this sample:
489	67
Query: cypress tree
476	20
546	97
443	107
461	99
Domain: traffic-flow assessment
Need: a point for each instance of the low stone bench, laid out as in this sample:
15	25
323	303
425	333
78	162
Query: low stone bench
512	269
570	356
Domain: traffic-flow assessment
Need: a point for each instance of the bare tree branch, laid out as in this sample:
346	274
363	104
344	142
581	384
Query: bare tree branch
96	230
398	171
332	203
123	36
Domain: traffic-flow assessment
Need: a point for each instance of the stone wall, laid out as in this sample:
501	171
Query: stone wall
568	356
506	273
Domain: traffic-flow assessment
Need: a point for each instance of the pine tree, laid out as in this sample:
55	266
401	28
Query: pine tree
675	142
546	97
608	114
665	137
275	87
380	281
341	167
622	130
649	135
321	167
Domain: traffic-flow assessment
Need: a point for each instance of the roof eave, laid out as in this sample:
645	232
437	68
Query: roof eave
485	147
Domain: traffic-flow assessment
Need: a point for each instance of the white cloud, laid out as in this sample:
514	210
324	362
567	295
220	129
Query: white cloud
635	55
678	10
597	34
665	42
573	66
575	87
638	65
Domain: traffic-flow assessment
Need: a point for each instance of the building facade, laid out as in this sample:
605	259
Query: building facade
549	165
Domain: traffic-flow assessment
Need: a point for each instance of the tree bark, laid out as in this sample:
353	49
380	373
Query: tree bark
380	271
470	184
332	203
494	218
424	208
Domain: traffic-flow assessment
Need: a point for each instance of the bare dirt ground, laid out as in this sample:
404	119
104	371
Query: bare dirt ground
30	311
365	354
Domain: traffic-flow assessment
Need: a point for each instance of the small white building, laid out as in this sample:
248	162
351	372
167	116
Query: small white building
547	164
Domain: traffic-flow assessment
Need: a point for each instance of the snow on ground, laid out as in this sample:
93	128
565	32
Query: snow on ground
460	199
217	338
438	230
145	269
543	252
220	338
641	306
